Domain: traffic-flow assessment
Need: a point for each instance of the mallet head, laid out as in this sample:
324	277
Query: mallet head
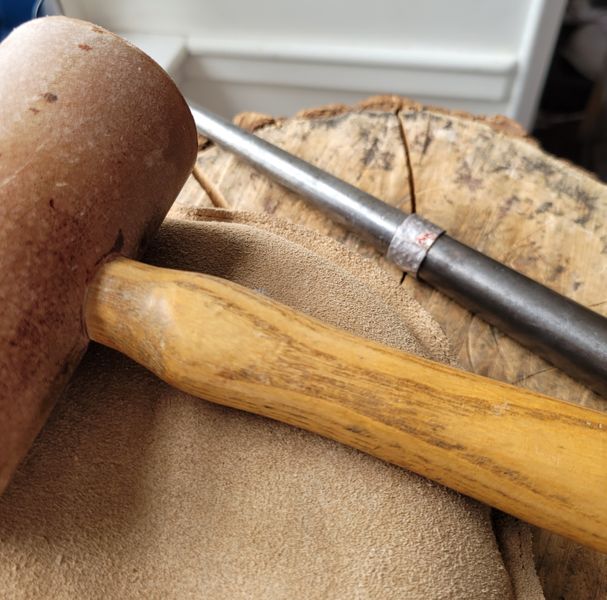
95	143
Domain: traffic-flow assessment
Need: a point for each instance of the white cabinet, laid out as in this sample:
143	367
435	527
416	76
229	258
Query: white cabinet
277	56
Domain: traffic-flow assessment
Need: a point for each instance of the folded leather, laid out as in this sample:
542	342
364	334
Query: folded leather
136	490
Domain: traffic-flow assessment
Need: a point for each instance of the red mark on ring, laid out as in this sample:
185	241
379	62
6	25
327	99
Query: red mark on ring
85	47
425	239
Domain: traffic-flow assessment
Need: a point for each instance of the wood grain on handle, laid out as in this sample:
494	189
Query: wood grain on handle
539	459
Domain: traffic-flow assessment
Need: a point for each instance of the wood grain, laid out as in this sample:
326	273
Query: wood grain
527	454
505	196
555	230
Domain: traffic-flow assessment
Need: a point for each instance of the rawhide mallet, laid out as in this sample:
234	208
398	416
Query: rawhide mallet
95	143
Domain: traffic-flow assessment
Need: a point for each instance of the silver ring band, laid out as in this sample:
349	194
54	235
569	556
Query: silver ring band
411	242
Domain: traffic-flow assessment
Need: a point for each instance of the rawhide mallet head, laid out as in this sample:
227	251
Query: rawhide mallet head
95	143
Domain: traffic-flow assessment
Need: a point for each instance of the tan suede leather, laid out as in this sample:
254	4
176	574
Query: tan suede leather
135	490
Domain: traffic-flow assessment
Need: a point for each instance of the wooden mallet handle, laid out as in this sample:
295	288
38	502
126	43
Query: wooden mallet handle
534	457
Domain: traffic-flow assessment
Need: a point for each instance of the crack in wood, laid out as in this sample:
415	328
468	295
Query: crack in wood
212	191
411	181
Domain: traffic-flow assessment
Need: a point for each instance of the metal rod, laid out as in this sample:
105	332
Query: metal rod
362	213
565	333
560	330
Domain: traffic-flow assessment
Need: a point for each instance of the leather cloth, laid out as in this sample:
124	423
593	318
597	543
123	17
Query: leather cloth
136	490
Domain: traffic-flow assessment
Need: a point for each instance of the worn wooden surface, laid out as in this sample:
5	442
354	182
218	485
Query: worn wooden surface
491	188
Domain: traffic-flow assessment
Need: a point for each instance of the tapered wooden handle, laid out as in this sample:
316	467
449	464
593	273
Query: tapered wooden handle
539	459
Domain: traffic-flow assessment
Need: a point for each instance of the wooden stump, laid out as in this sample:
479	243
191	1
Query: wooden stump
490	187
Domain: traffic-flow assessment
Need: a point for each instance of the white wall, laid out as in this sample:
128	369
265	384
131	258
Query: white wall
278	56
